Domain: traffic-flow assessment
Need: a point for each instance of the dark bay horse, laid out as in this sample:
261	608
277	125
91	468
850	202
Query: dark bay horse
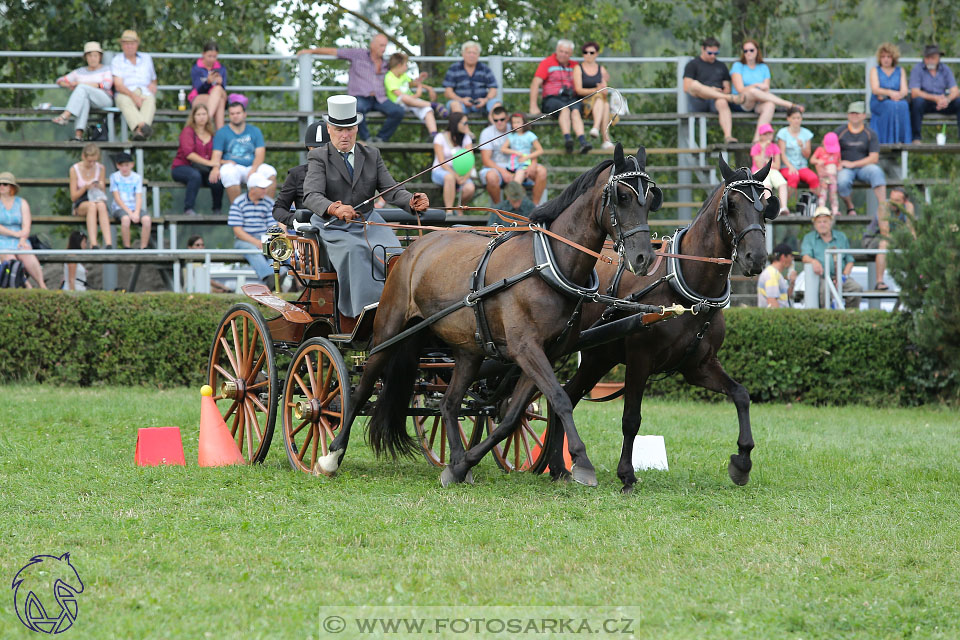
524	321
730	224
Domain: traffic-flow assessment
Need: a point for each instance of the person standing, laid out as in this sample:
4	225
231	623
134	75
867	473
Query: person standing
933	89
135	86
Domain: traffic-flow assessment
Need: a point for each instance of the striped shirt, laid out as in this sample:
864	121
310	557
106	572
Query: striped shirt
253	217
101	78
364	80
134	76
772	284
467	86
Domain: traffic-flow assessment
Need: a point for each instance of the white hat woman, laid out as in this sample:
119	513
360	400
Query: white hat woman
91	86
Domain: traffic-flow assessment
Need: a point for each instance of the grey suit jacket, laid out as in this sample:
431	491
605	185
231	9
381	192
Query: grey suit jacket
328	180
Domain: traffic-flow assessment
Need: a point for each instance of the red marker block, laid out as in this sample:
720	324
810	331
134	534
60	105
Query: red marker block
159	445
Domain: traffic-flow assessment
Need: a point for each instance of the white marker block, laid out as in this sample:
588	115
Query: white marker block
649	452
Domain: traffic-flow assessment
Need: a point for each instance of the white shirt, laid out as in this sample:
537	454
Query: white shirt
135	76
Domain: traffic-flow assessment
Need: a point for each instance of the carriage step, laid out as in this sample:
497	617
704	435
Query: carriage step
339	337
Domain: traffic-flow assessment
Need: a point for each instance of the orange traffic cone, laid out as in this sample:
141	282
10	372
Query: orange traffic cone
217	447
567	460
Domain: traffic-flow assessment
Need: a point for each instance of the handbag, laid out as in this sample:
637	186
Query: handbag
12	274
202	168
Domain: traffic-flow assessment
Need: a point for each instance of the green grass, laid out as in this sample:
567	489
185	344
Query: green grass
848	527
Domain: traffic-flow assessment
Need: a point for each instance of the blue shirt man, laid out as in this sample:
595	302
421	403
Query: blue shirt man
251	214
933	89
469	85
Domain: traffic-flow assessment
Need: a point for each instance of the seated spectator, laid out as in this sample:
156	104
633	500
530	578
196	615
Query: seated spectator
194	161
794	140
89	194
196	243
515	200
859	155
135	86
750	77
774	290
239	152
366	84
209	80
900	210
826	160
126	186
398	85
290	197
555	75
90	87
889	107
590	76
15	228
74	273
495	170
523	147
814	247
764	151
445	146
706	81
469	85
932	89
251	214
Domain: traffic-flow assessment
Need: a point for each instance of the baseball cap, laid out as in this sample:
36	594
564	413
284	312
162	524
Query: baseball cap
821	211
857	107
764	128
257	180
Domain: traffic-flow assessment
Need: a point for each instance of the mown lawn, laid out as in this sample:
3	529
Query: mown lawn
849	526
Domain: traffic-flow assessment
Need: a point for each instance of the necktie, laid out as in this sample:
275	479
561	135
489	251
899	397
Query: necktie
346	161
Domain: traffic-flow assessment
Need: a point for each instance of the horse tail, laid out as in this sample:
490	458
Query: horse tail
387	430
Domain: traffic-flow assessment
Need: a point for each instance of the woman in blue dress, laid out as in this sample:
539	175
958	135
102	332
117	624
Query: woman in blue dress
889	107
15	228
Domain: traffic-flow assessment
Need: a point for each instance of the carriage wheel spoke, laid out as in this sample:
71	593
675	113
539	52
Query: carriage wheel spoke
328	428
238	425
316	441
310	375
226	374
233	407
259	404
330	397
229	354
252	349
306	443
299	427
324	436
533	434
327	412
303	386
433	431
238	348
328	376
244	352
526	447
261	359
251	420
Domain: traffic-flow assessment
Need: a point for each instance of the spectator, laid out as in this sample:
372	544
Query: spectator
126	185
555	75
814	247
859	155
794	140
135	86
366	84
469	85
291	194
590	76
251	216
826	159
88	193
90	87
238	153
900	211
750	76
766	150
523	147
196	243
706	82
445	146
209	80
889	108
774	290
15	228
495	170
515	200
398	82
932	88
74	273
194	161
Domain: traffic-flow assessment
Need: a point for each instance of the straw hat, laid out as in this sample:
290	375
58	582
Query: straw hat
129	36
92	46
8	178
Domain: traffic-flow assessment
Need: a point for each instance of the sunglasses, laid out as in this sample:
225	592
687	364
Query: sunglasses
749	50
499	119
589	53
711	53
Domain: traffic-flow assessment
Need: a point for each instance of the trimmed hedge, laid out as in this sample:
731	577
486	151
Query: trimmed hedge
105	338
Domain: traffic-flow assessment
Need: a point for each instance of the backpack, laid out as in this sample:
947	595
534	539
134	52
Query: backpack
12	275
96	132
806	204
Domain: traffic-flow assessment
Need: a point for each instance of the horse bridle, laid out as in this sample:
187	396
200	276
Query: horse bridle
753	197
610	200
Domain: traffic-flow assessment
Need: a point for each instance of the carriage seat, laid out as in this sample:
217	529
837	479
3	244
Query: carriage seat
312	233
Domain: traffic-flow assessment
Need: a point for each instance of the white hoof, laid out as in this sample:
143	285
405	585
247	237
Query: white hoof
328	464
446	477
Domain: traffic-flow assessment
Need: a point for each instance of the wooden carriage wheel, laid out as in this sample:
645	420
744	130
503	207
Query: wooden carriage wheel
316	395
524	449
431	433
243	374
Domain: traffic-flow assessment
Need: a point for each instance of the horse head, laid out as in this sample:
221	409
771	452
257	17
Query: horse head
629	197
745	206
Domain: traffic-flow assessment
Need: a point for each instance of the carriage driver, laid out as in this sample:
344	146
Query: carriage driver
339	175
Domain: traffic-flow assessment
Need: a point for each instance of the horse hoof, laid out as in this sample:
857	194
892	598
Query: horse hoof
739	477
328	464
627	489
469	477
586	477
448	478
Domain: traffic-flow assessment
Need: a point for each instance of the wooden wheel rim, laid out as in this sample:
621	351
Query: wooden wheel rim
523	450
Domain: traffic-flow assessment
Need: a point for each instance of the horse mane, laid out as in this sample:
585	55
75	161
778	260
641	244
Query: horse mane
552	209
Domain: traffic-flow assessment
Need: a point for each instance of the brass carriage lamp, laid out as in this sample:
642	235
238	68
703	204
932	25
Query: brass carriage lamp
277	247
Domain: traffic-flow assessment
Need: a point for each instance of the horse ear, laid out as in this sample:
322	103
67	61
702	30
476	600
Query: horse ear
725	171
642	156
618	157
761	175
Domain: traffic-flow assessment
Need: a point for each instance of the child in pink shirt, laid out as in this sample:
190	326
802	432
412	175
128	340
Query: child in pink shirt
762	152
827	161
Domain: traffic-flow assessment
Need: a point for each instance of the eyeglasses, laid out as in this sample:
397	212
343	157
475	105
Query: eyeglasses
499	119
749	50
589	53
711	53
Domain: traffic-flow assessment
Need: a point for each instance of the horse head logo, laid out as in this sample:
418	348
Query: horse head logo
45	594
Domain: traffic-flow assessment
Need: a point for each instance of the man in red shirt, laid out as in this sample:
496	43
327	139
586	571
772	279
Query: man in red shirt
555	75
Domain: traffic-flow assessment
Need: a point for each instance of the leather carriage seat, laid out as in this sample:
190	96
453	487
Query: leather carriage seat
312	233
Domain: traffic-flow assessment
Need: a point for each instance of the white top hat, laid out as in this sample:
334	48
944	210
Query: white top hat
342	111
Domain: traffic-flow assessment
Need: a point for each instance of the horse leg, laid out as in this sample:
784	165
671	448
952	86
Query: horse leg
634	382
464	372
711	375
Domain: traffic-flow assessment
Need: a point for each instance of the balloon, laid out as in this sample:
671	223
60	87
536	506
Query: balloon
464	163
